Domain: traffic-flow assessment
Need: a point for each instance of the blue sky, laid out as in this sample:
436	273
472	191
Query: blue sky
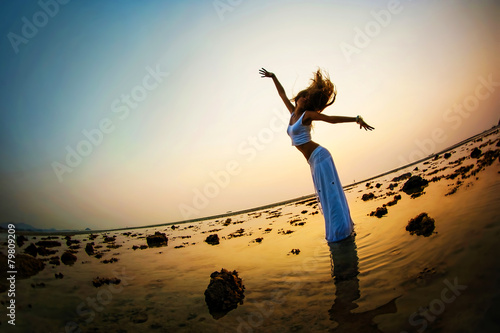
173	88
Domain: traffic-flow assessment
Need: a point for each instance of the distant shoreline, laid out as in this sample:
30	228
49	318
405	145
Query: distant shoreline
249	210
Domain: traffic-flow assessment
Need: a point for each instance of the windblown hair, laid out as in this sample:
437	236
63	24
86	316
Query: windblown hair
321	92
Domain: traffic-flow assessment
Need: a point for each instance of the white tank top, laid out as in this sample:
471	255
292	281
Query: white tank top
299	133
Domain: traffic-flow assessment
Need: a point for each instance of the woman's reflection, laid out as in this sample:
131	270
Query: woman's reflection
344	260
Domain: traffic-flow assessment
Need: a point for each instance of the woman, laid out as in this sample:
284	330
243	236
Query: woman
309	104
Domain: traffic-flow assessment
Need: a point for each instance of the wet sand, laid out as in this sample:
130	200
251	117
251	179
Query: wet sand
382	280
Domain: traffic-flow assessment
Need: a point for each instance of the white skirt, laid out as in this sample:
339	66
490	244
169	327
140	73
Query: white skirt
330	194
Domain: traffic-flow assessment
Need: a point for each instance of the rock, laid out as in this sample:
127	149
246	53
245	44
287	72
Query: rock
48	243
402	177
476	153
447	155
68	258
26	265
55	261
394	201
70	242
392	186
422	225
367	196
378	185
108	239
59	275
227	222
379	212
259	240
224	292
110	261
20	240
89	248
212	239
31	250
43	251
97	282
295	251
156	240
415	184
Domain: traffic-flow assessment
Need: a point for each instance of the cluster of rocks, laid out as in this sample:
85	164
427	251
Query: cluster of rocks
421	225
414	186
157	240
98	281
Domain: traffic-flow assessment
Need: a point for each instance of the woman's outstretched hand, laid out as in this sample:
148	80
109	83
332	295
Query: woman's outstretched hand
364	125
265	73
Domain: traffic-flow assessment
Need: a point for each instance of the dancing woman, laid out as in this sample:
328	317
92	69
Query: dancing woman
309	103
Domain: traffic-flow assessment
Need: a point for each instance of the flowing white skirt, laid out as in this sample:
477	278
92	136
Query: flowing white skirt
330	194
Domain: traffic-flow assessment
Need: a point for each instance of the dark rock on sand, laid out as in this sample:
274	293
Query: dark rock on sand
224	292
422	225
20	240
108	239
415	184
59	275
31	250
367	196
447	155
394	201
68	258
97	282
26	265
55	261
110	261
71	242
295	251
158	239
476	153
379	212
43	251
89	248
212	239
402	177
392	186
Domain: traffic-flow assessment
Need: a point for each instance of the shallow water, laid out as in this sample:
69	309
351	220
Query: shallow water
381	280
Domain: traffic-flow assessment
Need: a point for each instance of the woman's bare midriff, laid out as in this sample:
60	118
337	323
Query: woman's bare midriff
307	148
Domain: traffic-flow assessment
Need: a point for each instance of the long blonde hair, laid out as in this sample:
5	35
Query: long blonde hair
319	92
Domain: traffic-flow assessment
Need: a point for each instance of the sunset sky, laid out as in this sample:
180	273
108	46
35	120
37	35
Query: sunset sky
137	113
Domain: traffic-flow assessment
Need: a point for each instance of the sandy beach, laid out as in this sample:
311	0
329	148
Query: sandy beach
384	279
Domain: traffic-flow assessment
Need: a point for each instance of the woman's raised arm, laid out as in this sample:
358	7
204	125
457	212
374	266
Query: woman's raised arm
311	115
279	87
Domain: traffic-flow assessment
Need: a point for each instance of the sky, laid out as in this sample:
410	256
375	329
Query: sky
137	113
